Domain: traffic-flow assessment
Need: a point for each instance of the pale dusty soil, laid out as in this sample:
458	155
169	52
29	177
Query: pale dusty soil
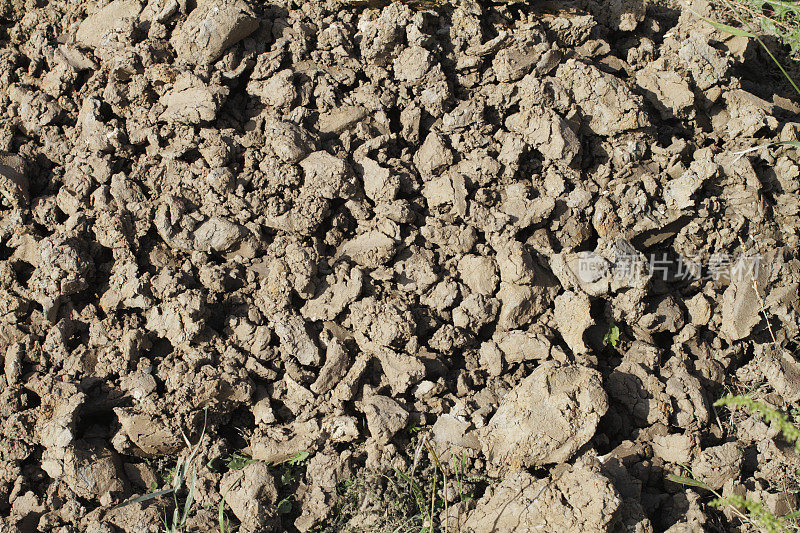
340	230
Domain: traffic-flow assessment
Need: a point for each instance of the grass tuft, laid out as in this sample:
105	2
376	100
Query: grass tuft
416	499
185	472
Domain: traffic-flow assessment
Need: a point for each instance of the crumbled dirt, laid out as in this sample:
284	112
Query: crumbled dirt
342	240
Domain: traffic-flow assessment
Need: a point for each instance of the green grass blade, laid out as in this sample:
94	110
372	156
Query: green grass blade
785	5
187	507
177	480
223	525
144	498
175	520
738	32
689	482
783	70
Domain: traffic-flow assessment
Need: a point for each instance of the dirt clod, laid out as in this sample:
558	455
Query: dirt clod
546	418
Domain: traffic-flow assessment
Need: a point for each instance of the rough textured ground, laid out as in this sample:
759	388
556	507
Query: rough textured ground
339	229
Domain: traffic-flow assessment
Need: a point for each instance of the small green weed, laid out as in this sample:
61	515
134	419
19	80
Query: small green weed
289	472
766	413
611	337
238	460
751	511
298	459
285	505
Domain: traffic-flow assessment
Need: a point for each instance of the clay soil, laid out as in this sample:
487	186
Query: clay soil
335	245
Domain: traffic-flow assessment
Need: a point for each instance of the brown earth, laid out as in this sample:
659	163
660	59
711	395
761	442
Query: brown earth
348	230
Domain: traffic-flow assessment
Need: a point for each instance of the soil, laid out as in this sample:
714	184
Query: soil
327	238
